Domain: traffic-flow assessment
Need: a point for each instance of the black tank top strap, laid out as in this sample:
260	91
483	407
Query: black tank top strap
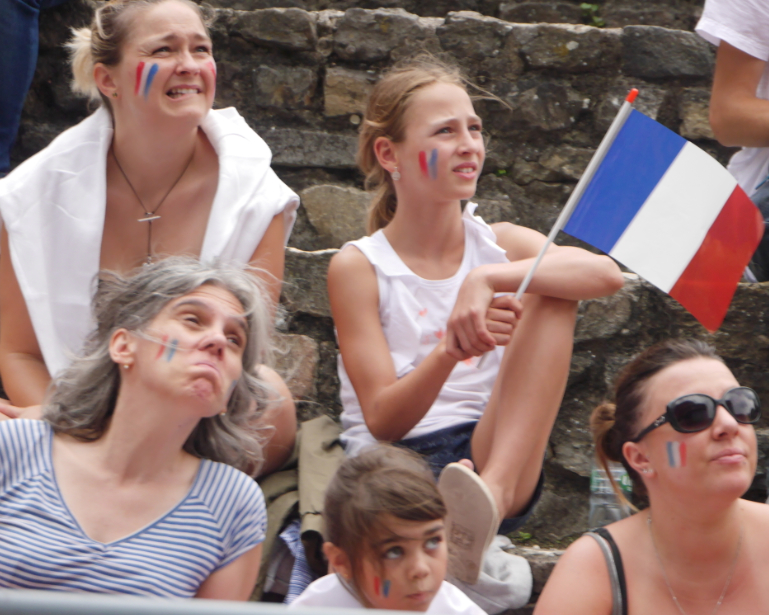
616	569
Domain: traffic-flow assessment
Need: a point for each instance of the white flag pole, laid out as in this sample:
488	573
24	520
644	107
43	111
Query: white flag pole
581	186
576	195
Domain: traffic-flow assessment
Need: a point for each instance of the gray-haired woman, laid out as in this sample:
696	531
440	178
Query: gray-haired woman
124	487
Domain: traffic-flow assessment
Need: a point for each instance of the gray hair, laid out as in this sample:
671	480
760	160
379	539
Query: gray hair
102	41
84	395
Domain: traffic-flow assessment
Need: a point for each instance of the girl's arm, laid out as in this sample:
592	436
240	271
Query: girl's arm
579	583
236	580
564	273
391	406
24	374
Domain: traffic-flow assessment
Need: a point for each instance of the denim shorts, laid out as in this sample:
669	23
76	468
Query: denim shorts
445	446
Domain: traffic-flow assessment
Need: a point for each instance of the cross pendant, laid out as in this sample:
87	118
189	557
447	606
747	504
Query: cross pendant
148	217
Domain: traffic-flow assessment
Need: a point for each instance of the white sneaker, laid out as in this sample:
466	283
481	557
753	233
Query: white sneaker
471	522
505	581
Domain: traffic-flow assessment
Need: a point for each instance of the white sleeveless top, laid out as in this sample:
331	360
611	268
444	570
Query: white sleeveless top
413	312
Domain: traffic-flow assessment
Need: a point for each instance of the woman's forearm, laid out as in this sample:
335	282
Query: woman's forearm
397	408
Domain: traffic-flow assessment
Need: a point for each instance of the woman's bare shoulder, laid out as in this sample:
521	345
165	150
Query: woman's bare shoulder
579	582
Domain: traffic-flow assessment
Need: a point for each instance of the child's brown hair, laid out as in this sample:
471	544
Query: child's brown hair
382	480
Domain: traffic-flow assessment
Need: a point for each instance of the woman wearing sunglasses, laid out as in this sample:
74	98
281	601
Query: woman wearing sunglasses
683	428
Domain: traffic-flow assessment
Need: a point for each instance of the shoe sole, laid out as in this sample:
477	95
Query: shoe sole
472	520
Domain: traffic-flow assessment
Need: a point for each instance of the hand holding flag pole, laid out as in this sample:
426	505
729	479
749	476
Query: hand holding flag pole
665	209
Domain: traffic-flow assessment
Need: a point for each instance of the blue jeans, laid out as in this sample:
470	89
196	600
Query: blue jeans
18	58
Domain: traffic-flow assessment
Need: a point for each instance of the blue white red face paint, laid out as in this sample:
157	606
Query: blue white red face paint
167	348
145	73
381	588
676	454
429	166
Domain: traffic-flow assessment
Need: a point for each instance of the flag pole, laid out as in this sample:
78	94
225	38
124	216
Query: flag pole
581	186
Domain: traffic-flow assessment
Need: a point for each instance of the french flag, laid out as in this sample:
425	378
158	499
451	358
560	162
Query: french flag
670	212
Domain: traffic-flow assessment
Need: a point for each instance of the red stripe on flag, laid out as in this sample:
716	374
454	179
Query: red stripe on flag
707	285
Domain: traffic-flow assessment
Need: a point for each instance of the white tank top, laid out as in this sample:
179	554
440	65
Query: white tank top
413	312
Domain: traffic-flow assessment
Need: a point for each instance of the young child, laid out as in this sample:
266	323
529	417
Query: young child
386	538
417	303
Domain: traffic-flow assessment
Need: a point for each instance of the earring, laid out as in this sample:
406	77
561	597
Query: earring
223	412
396	174
114	94
126	366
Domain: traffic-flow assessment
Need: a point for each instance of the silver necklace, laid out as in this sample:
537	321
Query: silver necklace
665	576
149	216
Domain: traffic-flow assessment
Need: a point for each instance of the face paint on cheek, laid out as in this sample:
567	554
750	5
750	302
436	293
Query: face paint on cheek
386	588
145	73
676	454
172	350
162	348
376	586
434	164
423	164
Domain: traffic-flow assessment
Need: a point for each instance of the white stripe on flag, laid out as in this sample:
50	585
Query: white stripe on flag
671	225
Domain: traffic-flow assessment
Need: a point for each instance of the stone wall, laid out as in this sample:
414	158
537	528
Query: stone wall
300	76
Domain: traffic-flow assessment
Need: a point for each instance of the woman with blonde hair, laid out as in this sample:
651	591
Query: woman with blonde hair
153	172
683	428
137	480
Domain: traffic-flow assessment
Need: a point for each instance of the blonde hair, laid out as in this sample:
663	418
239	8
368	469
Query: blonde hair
615	423
102	41
384	117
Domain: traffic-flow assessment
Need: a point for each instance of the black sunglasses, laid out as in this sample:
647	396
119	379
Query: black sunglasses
695	412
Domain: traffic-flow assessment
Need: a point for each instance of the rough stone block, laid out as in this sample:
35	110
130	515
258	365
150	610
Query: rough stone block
311	148
694	110
370	36
296	360
472	36
650	100
658	53
284	86
548	106
600	319
540	12
304	285
346	91
337	213
285	28
573	48
567	161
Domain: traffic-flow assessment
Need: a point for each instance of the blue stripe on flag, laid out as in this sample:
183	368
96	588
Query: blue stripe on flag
639	157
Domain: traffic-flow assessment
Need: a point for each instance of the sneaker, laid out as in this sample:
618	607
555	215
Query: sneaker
471	522
505	582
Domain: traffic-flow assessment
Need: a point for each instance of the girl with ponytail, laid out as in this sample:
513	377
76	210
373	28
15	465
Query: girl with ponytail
419	302
683	428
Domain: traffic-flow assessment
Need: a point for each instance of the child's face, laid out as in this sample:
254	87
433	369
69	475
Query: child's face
443	151
407	566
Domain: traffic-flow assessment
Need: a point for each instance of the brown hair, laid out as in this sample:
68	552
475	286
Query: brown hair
102	41
382	480
384	117
613	424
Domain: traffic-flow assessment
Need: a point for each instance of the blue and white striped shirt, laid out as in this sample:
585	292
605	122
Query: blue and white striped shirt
43	547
